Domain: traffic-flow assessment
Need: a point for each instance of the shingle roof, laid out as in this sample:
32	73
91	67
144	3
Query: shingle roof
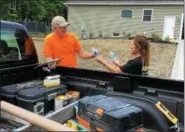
124	2
118	0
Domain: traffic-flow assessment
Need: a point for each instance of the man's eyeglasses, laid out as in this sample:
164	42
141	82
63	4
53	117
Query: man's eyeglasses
66	27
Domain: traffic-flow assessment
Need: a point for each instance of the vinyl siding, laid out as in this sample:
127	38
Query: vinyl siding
107	19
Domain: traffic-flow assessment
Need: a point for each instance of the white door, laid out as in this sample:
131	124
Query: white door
169	26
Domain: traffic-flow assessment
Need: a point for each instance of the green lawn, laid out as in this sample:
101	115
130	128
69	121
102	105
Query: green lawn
11	41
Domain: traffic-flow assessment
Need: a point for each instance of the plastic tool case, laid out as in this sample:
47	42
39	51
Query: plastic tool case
103	113
39	100
9	92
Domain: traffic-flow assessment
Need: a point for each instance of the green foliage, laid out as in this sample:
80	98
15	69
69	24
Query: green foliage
100	34
38	34
34	10
128	35
91	35
155	36
166	38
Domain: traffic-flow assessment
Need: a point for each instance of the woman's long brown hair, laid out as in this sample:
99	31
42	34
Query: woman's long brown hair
142	44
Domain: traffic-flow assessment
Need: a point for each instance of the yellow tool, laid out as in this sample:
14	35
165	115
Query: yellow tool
51	81
72	124
166	112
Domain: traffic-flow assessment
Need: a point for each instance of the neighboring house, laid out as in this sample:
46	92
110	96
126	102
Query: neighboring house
162	17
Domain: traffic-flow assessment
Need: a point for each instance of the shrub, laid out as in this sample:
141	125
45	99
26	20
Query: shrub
91	35
129	35
166	38
155	36
100	35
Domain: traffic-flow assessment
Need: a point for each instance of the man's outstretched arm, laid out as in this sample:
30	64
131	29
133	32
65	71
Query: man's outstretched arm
85	55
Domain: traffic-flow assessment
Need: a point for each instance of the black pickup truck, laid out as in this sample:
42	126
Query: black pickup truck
17	66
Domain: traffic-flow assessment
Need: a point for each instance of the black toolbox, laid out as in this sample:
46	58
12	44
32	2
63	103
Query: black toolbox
9	92
87	87
39	100
103	113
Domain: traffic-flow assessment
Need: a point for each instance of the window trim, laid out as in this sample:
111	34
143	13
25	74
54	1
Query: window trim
151	14
125	17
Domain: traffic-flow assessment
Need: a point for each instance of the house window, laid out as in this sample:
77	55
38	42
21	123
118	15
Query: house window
147	15
126	13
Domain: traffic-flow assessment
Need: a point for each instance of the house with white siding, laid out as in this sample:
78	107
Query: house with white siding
163	18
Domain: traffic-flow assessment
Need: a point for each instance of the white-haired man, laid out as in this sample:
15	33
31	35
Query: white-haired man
62	43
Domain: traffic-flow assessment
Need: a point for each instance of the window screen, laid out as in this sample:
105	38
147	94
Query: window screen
127	13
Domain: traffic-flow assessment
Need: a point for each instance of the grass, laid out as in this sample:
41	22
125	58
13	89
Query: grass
38	34
161	61
10	42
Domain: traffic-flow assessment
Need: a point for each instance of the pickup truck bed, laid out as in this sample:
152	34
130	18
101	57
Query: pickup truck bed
88	82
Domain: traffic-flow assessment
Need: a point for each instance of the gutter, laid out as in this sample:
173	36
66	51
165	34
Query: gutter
93	3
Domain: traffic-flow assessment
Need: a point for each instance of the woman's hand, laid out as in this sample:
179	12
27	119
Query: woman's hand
116	62
110	67
100	59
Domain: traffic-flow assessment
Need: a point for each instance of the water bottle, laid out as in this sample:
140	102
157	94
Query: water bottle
113	55
95	52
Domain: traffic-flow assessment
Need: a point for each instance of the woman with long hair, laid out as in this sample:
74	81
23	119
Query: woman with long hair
140	50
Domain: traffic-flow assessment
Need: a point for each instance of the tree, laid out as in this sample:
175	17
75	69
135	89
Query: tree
6	9
34	10
53	8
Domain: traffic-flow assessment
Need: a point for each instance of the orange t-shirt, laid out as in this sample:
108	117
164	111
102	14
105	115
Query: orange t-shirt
65	46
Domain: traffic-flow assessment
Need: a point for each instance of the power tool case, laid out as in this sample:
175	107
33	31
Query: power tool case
103	113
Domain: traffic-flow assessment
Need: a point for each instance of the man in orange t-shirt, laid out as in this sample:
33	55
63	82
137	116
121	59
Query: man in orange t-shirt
63	44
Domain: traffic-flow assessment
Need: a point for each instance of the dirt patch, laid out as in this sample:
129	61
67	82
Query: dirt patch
161	62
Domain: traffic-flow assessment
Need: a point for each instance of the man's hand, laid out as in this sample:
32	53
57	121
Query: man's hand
95	52
85	55
51	65
100	59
